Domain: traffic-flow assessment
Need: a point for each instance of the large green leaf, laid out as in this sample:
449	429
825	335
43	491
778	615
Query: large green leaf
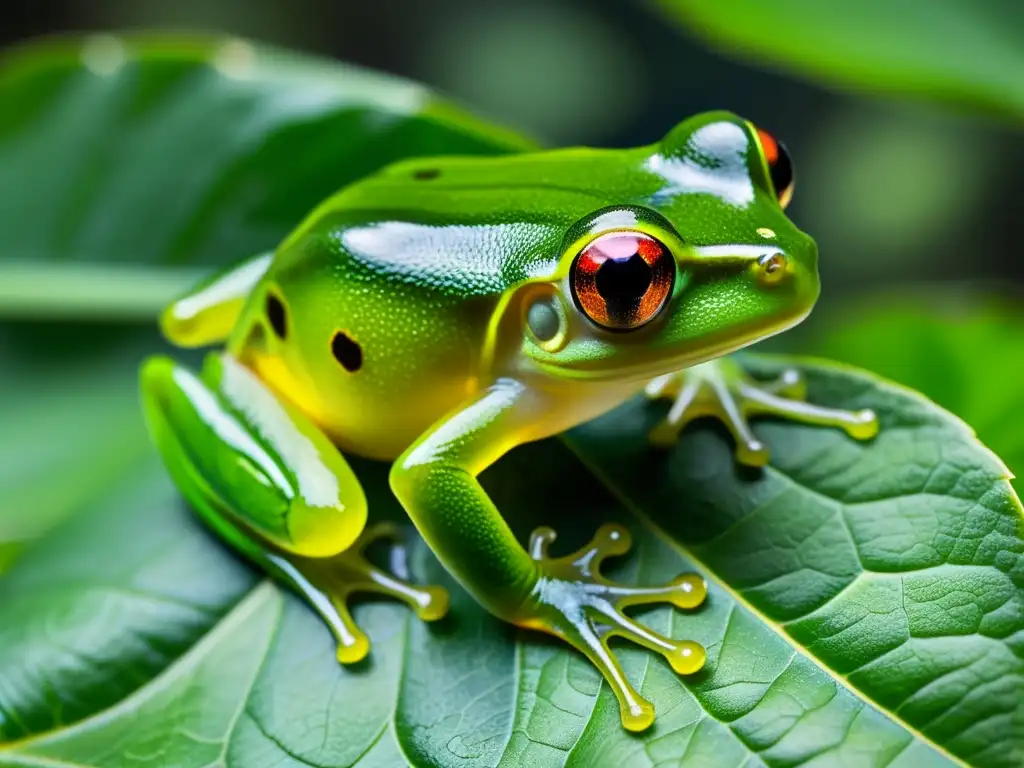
962	349
118	152
866	606
965	53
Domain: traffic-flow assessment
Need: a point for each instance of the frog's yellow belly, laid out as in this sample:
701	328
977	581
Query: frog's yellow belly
378	423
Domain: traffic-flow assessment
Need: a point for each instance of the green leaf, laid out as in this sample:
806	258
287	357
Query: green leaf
178	152
63	442
969	54
962	349
866	608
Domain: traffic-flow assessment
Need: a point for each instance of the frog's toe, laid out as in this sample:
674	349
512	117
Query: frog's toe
609	540
748	449
540	540
789	384
376	532
684	409
663	386
635	712
760	400
684	656
353	644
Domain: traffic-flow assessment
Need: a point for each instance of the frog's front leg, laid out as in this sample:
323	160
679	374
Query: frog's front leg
565	596
722	389
274	487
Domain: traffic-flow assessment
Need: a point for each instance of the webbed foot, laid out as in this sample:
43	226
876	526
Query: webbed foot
722	389
573	601
329	583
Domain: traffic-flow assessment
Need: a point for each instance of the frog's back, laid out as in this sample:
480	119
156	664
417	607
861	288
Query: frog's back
374	315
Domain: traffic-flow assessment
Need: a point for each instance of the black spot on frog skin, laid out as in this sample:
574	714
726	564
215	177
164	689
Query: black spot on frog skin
347	352
277	315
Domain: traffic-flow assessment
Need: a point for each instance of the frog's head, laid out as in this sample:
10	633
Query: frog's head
701	262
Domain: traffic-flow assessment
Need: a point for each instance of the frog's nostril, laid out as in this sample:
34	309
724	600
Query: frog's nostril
772	267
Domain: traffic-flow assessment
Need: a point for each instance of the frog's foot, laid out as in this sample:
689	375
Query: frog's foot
722	389
330	582
573	601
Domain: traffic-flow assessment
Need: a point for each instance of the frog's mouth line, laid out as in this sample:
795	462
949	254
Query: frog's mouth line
660	364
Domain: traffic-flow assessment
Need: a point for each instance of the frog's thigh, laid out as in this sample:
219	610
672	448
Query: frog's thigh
274	487
236	451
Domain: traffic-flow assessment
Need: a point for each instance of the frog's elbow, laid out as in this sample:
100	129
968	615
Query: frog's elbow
185	325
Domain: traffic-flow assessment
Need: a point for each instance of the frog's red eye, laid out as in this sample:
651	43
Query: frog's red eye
780	165
621	280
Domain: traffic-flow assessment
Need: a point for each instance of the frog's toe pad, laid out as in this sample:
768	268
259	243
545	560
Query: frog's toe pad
688	590
432	603
688	658
863	424
751	452
354	649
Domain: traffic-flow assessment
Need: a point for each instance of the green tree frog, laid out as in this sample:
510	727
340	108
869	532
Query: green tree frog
444	310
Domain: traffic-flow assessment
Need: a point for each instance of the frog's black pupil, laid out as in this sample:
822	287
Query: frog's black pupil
622	283
782	170
347	352
277	316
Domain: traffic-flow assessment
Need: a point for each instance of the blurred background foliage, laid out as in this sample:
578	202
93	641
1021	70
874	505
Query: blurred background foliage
912	187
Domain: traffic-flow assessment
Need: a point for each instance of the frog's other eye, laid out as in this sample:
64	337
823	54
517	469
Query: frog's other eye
621	280
780	166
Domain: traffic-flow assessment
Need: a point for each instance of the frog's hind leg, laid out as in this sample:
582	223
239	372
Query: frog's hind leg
276	489
722	389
